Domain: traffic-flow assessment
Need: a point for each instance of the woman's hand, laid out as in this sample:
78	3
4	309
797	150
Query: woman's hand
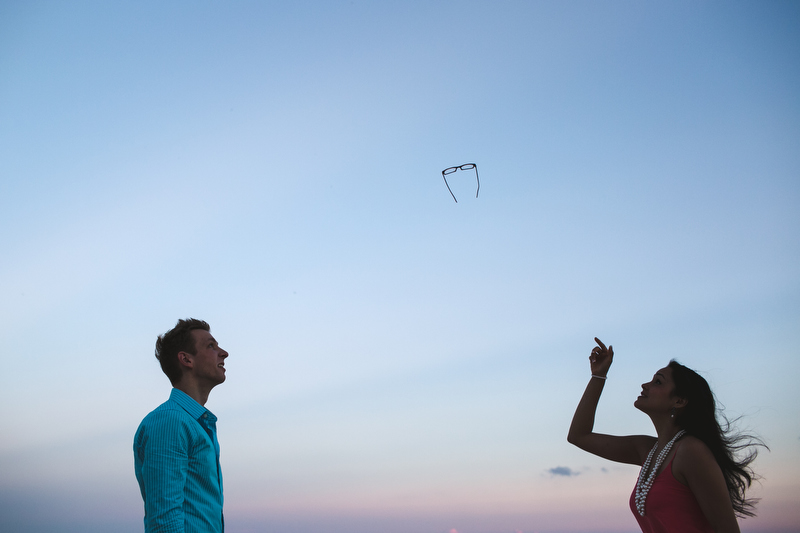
601	358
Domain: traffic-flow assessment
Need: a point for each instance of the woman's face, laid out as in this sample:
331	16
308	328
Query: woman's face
657	395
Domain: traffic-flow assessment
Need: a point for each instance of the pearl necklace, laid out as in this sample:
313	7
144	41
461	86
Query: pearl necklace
643	485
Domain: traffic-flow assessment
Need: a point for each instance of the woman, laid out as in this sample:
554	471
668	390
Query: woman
690	480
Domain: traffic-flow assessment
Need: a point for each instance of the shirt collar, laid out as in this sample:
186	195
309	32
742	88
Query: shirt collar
189	404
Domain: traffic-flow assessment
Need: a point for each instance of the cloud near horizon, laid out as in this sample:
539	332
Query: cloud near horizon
562	471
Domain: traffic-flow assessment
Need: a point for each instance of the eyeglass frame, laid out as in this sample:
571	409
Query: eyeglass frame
451	170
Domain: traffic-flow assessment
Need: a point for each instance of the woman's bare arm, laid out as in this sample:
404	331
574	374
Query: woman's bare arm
629	449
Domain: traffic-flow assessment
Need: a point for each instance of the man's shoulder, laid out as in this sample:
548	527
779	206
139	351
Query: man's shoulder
168	413
166	423
168	406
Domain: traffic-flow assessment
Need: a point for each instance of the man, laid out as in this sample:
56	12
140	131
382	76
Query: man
176	453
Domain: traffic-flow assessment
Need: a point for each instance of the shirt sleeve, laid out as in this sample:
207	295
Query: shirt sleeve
165	465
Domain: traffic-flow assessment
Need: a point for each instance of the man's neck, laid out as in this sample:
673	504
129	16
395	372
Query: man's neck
194	390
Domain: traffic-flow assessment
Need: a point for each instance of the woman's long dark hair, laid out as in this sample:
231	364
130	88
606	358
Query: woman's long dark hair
733	451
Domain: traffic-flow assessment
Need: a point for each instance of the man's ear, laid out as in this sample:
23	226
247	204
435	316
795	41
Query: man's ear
186	359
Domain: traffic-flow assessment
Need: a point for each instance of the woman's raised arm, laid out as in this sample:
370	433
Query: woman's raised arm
631	449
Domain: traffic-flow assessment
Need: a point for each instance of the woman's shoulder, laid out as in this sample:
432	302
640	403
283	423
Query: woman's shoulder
692	456
693	447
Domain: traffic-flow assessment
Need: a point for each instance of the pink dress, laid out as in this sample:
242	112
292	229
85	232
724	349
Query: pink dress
670	507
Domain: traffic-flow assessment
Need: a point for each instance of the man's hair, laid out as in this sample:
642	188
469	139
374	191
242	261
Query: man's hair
178	339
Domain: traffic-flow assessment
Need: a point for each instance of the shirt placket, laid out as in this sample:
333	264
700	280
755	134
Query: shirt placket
209	424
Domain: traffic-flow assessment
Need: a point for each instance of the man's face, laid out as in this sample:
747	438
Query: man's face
209	360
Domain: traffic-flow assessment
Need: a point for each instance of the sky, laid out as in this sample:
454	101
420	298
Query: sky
399	362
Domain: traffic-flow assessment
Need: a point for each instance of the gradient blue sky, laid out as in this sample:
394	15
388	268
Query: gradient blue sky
399	362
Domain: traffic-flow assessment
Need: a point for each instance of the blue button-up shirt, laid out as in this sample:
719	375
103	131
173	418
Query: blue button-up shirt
176	457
